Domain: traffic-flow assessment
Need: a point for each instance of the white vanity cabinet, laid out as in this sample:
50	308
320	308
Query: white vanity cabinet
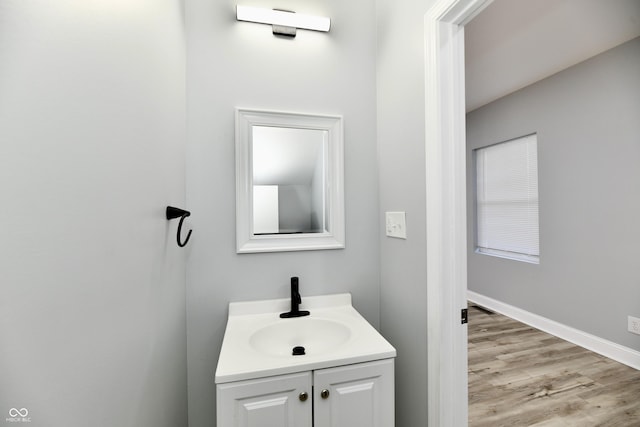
360	395
330	368
357	395
282	401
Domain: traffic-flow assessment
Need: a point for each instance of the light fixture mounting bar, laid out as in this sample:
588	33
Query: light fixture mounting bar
282	18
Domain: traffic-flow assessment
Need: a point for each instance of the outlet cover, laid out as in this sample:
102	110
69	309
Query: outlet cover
634	325
396	225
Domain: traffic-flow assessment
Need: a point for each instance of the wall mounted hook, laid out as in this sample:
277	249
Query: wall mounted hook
172	213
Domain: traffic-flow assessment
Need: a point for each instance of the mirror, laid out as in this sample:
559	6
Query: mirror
289	181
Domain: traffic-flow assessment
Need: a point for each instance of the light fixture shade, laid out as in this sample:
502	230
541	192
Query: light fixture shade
282	18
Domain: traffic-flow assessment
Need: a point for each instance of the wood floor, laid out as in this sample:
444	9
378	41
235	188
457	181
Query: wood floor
520	376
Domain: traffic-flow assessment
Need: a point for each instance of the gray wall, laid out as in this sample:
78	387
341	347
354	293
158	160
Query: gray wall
294	208
401	121
587	120
92	149
234	64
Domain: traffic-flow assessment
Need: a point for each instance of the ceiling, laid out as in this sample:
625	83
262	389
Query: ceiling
286	156
514	43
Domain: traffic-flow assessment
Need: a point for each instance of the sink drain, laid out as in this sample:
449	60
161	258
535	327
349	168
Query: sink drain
298	351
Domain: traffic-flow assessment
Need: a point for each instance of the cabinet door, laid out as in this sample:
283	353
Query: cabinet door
266	402
360	395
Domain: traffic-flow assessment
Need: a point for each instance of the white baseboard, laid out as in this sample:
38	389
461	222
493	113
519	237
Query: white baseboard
596	344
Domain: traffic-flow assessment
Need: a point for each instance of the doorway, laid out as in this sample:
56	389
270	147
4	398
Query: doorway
468	30
446	209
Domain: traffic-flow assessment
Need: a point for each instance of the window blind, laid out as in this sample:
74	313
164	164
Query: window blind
507	199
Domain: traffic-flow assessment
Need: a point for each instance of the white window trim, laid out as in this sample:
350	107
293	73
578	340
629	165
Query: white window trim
516	256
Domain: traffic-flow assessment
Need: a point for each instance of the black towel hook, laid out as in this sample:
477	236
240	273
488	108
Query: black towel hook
182	214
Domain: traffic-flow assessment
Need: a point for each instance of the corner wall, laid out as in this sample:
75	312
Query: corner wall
237	64
401	162
92	150
588	130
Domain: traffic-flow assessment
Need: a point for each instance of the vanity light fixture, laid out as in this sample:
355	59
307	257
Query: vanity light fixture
283	22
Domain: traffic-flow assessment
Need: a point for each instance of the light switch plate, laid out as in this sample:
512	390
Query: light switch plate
396	225
633	325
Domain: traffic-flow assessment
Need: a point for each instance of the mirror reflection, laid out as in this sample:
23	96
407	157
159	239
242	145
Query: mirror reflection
288	174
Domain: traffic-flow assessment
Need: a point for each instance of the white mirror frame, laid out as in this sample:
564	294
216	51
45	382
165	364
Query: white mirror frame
246	240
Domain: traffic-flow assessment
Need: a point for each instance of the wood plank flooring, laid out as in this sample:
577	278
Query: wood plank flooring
520	376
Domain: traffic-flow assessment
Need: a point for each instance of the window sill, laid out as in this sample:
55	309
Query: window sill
531	259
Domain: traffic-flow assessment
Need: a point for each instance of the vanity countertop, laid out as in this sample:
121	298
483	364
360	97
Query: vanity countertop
258	343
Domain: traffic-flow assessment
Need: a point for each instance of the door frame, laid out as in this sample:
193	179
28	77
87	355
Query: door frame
445	149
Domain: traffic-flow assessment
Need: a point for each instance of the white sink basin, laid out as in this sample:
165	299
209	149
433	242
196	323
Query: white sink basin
258	343
315	335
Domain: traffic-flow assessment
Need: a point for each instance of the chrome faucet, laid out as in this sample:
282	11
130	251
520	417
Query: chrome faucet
296	300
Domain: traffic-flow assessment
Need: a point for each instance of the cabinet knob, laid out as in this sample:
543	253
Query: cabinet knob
324	393
303	396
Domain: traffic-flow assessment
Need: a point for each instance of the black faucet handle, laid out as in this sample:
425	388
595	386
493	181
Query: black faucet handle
296	299
295	290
